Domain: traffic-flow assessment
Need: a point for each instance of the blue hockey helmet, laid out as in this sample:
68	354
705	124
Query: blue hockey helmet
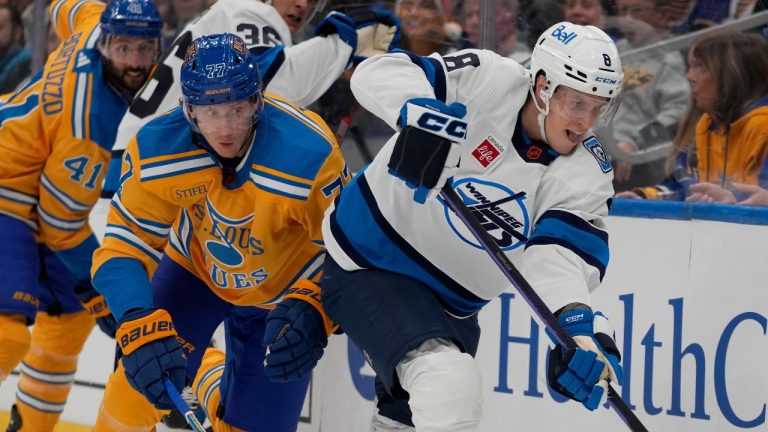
138	18
219	69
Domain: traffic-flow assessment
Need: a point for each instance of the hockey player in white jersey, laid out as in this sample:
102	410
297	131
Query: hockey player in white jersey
405	279
300	73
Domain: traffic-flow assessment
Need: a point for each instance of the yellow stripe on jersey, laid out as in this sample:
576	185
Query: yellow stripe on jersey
276	181
163	167
309	120
67	15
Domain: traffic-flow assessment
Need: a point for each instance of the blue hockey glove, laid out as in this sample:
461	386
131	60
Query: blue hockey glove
583	374
296	333
151	353
368	31
95	304
428	149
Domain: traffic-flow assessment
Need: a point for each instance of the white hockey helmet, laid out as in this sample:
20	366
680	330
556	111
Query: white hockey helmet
583	58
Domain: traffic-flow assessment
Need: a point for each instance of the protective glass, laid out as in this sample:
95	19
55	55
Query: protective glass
575	105
124	49
229	116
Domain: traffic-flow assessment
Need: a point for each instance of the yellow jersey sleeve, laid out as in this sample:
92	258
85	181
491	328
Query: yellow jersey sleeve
139	220
24	149
70	16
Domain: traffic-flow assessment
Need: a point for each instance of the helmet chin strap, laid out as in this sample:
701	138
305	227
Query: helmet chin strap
247	141
542	112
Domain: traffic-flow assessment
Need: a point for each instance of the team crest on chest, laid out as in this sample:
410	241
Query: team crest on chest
488	151
228	243
501	211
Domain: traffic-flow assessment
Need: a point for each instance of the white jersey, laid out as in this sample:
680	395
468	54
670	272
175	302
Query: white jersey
299	74
543	209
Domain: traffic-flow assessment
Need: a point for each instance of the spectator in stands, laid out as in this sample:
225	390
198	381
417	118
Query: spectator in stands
15	58
653	101
165	9
537	16
626	33
706	13
656	13
185	11
426	28
589	12
709	192
24	7
507	43
727	75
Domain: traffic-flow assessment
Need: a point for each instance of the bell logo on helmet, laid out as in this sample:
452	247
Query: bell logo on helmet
564	36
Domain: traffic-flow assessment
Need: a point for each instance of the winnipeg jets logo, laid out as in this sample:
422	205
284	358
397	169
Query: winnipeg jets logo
500	210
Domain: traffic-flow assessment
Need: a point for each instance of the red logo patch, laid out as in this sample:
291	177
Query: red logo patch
485	153
534	152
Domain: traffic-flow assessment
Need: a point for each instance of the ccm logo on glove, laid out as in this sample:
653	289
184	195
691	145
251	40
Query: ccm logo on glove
574	318
435	122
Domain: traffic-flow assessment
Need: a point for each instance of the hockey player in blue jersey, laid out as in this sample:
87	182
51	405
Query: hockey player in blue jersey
405	279
220	206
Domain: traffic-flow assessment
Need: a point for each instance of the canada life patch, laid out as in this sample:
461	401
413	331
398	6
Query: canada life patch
594	147
488	151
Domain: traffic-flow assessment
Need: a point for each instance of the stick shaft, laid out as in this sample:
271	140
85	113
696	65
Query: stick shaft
182	406
455	203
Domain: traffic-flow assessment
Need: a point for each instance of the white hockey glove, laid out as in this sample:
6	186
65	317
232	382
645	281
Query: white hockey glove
583	374
428	149
378	32
369	32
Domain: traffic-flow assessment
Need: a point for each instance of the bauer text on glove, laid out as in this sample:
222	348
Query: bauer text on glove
95	304
151	353
296	334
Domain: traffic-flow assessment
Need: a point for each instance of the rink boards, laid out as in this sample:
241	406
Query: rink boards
685	290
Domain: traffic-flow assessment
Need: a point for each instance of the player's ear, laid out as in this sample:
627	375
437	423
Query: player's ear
540	87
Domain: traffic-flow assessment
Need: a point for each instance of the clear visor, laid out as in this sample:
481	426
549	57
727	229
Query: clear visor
128	49
225	117
594	111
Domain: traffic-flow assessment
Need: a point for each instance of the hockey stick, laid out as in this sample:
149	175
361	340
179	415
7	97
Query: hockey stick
456	204
341	130
182	406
